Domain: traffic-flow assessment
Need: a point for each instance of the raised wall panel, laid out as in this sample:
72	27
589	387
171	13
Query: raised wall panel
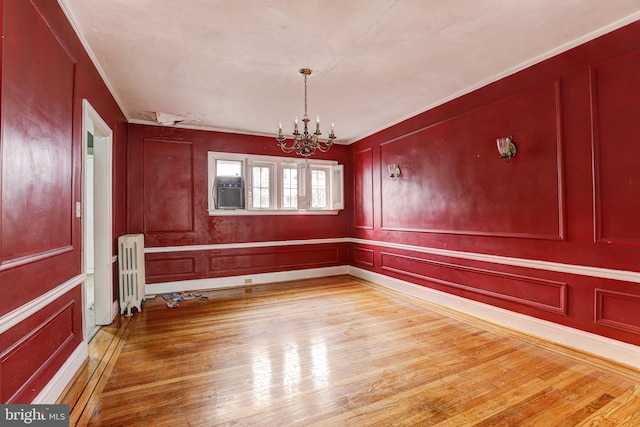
363	257
363	189
523	289
615	85
168	267
453	180
34	349
37	162
168	186
618	310
273	259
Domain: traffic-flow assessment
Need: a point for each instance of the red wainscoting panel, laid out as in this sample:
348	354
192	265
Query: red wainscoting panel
273	259
33	204
363	257
32	351
452	179
527	290
168	186
618	310
163	267
615	89
39	240
363	189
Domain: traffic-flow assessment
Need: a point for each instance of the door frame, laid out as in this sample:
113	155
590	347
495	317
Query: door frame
103	213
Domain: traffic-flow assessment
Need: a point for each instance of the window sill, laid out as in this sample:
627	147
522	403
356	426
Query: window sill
256	212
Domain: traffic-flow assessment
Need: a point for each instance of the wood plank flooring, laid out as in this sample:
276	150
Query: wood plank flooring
333	352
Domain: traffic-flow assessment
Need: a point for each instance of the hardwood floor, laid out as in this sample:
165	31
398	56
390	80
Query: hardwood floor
337	351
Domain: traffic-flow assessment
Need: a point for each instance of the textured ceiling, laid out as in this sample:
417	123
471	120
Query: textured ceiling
232	65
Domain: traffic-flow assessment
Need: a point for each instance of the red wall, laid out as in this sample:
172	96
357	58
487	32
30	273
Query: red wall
45	75
570	195
168	196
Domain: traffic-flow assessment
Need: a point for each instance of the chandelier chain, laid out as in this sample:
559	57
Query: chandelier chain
305	95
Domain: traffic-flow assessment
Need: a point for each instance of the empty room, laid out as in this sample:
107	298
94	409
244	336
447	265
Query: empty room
320	213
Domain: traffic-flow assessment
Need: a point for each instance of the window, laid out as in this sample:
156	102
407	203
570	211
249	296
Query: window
260	187
318	188
261	190
228	168
242	184
289	187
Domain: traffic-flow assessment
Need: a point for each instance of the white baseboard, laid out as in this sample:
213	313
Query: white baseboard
54	388
608	348
236	281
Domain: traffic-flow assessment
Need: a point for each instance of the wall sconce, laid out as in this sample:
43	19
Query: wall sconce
394	171
506	148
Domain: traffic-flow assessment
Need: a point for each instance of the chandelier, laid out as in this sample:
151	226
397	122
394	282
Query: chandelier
305	143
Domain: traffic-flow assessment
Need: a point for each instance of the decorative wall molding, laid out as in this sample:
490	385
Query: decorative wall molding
168	267
54	388
245	280
169	203
613	175
49	191
314	256
363	189
364	256
542	294
617	310
248	245
618	351
22	313
6	265
582	270
443	147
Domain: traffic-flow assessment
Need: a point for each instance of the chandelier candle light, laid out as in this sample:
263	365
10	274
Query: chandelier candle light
305	143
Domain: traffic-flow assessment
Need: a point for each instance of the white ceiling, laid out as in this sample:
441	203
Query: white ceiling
232	65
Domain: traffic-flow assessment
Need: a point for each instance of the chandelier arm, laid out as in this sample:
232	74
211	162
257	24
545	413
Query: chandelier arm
324	148
288	149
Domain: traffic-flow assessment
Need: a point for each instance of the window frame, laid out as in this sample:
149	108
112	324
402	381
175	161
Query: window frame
292	165
335	184
273	189
327	195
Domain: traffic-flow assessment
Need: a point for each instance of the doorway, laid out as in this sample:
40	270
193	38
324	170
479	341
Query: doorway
97	240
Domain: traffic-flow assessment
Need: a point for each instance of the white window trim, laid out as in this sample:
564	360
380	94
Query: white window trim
278	163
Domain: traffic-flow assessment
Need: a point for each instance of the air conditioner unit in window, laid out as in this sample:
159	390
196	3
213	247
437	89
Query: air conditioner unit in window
229	192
